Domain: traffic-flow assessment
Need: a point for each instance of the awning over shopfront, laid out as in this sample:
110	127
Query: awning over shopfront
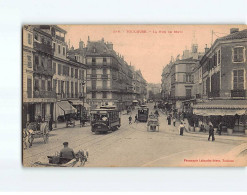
221	108
135	101
66	107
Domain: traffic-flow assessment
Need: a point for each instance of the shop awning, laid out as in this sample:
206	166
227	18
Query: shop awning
135	101
66	107
76	102
221	107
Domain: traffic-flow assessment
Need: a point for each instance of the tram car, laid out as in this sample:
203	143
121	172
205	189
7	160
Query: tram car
104	119
142	115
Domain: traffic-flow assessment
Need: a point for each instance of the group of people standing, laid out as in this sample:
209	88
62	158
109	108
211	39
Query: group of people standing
173	119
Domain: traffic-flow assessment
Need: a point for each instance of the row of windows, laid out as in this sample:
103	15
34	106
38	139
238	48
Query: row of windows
64	70
67	87
238	80
42	85
104	95
59	49
42	39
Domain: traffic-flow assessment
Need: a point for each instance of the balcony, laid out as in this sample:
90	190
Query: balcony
42	70
44	94
93	76
60	38
45	48
104	76
238	93
213	94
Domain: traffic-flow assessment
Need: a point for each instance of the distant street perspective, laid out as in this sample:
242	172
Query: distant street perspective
149	106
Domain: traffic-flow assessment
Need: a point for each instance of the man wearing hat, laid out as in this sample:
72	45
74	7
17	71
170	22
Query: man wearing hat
66	154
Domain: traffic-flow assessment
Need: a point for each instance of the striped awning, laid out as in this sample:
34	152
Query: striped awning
221	108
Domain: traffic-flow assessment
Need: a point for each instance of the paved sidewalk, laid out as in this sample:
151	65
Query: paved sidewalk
186	124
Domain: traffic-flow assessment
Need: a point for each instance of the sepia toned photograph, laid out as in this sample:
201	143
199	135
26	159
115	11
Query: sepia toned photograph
134	96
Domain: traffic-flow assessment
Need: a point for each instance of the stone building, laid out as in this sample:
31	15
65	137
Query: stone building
224	80
43	96
27	72
109	77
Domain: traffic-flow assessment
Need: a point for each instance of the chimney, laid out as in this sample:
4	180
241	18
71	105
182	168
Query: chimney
206	48
72	48
88	39
233	30
102	40
81	45
109	45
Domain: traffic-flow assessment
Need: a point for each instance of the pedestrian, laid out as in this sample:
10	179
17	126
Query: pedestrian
130	119
181	128
135	118
174	121
220	128
211	133
169	119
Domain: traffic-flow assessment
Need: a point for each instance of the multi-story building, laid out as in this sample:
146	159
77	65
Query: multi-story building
109	77
166	82
223	75
27	69
139	86
153	91
43	96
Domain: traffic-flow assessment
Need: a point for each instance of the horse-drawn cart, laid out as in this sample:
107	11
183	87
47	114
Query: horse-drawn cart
35	130
153	123
57	161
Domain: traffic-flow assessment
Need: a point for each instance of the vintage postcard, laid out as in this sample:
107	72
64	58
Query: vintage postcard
134	95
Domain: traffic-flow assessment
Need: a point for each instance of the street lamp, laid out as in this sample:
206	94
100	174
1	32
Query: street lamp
82	99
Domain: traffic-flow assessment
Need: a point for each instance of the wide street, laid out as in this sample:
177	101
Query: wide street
134	146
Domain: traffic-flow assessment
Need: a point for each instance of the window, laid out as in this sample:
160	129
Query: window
29	88
82	74
238	54
72	89
93	94
29	39
59	49
93	61
43	85
76	73
29	61
36	37
59	69
55	85
72	72
238	79
54	68
64	51
104	59
218	57
104	71
94	72
104	95
93	84
59	86
54	47
36	85
48	85
188	92
104	84
76	88
36	60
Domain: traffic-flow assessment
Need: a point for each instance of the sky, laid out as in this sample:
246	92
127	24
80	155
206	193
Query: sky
149	47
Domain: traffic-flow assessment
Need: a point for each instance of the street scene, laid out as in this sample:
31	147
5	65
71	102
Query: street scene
134	96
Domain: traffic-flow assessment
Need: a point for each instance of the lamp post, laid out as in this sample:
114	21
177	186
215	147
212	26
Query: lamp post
82	99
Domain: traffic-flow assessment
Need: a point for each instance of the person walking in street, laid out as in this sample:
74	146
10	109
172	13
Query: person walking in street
220	128
211	133
181	128
135	118
174	121
169	119
130	119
